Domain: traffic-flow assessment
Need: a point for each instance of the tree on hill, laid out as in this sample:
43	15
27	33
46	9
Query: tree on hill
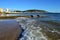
35	10
17	11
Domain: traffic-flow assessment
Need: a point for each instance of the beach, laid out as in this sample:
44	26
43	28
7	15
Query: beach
9	29
34	28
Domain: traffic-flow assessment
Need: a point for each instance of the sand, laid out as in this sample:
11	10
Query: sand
9	30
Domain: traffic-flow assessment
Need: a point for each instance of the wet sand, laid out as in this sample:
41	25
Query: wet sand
9	30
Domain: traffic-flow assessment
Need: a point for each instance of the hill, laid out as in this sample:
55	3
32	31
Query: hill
34	10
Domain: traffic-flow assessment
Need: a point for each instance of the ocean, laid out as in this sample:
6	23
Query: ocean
46	27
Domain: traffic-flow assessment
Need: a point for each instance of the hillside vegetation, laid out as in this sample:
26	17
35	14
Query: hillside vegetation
31	10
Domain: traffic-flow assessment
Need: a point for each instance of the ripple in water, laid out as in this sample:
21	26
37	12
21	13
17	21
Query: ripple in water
32	31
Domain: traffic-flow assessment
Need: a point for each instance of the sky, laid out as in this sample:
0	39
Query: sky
48	5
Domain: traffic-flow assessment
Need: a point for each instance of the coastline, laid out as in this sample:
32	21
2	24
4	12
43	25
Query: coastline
50	32
9	30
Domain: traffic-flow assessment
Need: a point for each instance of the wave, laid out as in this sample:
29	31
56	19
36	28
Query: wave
37	29
32	29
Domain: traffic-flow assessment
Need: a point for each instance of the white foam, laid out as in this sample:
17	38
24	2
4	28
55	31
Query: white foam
31	31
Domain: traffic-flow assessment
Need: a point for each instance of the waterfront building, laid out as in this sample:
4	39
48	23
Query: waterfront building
1	10
7	10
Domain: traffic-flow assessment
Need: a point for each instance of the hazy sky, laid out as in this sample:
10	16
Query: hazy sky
49	5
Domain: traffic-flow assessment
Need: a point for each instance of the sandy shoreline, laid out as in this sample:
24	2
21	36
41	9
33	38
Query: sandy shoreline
9	30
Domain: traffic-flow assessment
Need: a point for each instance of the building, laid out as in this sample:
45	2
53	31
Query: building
1	10
7	10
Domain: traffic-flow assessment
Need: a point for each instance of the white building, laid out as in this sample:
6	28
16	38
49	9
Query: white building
7	10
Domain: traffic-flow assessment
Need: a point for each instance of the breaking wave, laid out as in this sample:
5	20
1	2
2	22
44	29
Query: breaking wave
32	29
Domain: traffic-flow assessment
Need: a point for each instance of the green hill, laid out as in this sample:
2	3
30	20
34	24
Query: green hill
34	10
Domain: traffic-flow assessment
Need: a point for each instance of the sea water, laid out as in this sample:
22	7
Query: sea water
32	30
33	27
